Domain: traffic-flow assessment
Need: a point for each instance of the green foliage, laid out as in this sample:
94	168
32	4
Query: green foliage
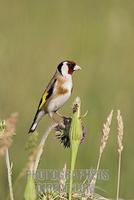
75	139
30	191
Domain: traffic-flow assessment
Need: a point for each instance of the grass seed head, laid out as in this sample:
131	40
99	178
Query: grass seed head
105	132
63	178
7	131
120	131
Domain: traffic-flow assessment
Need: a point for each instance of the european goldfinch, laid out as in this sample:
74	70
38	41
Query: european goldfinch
57	92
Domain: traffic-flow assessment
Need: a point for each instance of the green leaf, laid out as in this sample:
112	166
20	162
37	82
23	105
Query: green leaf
30	191
75	139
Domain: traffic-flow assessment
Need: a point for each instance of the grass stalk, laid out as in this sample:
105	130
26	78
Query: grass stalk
9	173
104	139
7	131
120	149
30	191
118	177
41	146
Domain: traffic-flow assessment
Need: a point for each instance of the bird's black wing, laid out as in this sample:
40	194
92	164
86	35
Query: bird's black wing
47	94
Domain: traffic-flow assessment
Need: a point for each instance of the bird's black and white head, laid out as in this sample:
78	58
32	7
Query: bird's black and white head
66	68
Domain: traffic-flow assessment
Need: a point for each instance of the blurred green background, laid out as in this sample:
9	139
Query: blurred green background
99	35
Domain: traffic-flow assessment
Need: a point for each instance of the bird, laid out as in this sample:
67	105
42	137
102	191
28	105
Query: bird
56	93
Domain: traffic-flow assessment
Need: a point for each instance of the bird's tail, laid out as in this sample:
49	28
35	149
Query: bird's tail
36	120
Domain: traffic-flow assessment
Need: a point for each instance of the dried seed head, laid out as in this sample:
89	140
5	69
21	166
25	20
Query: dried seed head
7	132
105	132
63	179
120	129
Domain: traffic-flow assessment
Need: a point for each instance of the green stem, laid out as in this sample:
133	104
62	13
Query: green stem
75	138
74	151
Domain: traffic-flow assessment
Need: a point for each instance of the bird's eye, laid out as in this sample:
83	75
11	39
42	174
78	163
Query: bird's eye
71	65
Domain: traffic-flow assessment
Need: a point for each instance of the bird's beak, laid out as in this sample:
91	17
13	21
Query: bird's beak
77	68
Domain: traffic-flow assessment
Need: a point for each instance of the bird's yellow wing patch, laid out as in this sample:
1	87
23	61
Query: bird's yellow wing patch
47	94
43	100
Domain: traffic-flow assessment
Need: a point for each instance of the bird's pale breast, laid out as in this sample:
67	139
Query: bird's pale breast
62	94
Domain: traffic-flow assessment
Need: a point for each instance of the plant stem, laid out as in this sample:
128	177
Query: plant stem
118	179
75	138
9	172
91	187
73	161
98	164
41	146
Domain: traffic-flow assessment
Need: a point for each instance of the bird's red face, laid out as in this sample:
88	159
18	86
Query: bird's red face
67	68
